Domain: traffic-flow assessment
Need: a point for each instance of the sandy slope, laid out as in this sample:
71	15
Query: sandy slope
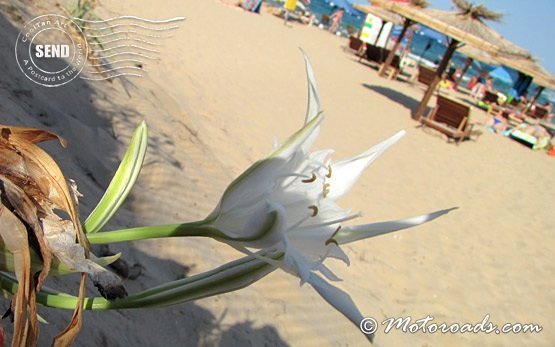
228	82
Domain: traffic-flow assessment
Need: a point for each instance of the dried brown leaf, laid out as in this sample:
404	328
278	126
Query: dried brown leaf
32	134
68	335
34	187
44	171
26	210
36	190
14	235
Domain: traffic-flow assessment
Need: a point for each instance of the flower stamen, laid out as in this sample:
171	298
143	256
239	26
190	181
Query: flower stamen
329	172
326	189
311	179
314	209
331	239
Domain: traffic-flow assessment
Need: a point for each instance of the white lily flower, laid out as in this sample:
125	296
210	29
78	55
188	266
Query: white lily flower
287	202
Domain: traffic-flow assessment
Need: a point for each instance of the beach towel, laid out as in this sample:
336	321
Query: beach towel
533	135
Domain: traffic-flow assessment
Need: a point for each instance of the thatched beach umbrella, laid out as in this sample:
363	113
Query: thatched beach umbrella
407	22
530	67
473	53
465	26
382	13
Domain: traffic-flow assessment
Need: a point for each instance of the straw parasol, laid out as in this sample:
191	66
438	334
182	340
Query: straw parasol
384	14
473	53
379	12
530	67
465	26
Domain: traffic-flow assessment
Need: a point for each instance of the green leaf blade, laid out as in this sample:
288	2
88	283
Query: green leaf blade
122	182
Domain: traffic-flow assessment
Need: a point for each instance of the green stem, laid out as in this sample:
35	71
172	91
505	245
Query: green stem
158	231
201	228
229	277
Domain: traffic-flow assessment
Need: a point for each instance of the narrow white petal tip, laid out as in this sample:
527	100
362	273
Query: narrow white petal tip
359	232
393	139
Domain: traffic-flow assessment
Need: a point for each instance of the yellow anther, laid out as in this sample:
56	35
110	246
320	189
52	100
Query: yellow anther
329	172
326	189
311	179
314	209
331	239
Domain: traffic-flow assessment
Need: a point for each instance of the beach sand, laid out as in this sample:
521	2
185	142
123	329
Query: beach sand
227	84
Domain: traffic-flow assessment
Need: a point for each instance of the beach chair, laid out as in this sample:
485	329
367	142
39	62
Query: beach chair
491	103
490	97
425	75
379	55
450	118
538	112
376	54
355	43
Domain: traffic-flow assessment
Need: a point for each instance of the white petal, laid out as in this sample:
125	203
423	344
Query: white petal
336	252
312	244
261	176
313	107
346	172
262	227
270	222
324	270
358	232
275	143
295	263
319	157
251	186
340	300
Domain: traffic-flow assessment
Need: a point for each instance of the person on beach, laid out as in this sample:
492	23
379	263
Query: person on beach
289	6
497	124
253	5
549	116
523	100
480	88
336	20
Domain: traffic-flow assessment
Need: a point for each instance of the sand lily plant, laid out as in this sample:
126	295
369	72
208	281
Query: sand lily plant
281	212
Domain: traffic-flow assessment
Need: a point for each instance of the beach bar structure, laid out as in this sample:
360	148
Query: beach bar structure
385	15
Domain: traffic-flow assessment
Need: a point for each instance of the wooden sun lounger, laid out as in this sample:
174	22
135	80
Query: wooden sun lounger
491	99
379	55
449	117
425	75
354	43
539	112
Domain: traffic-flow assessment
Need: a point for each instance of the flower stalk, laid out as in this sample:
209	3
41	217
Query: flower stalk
232	276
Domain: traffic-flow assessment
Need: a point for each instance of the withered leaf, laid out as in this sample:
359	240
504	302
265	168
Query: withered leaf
14	235
39	198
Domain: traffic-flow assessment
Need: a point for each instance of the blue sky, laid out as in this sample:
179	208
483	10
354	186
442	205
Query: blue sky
528	23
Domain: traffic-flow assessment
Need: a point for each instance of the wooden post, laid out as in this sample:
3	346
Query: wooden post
379	33
431	88
467	64
389	60
539	90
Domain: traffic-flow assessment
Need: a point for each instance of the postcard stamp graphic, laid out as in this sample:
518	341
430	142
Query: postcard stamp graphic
49	52
52	49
